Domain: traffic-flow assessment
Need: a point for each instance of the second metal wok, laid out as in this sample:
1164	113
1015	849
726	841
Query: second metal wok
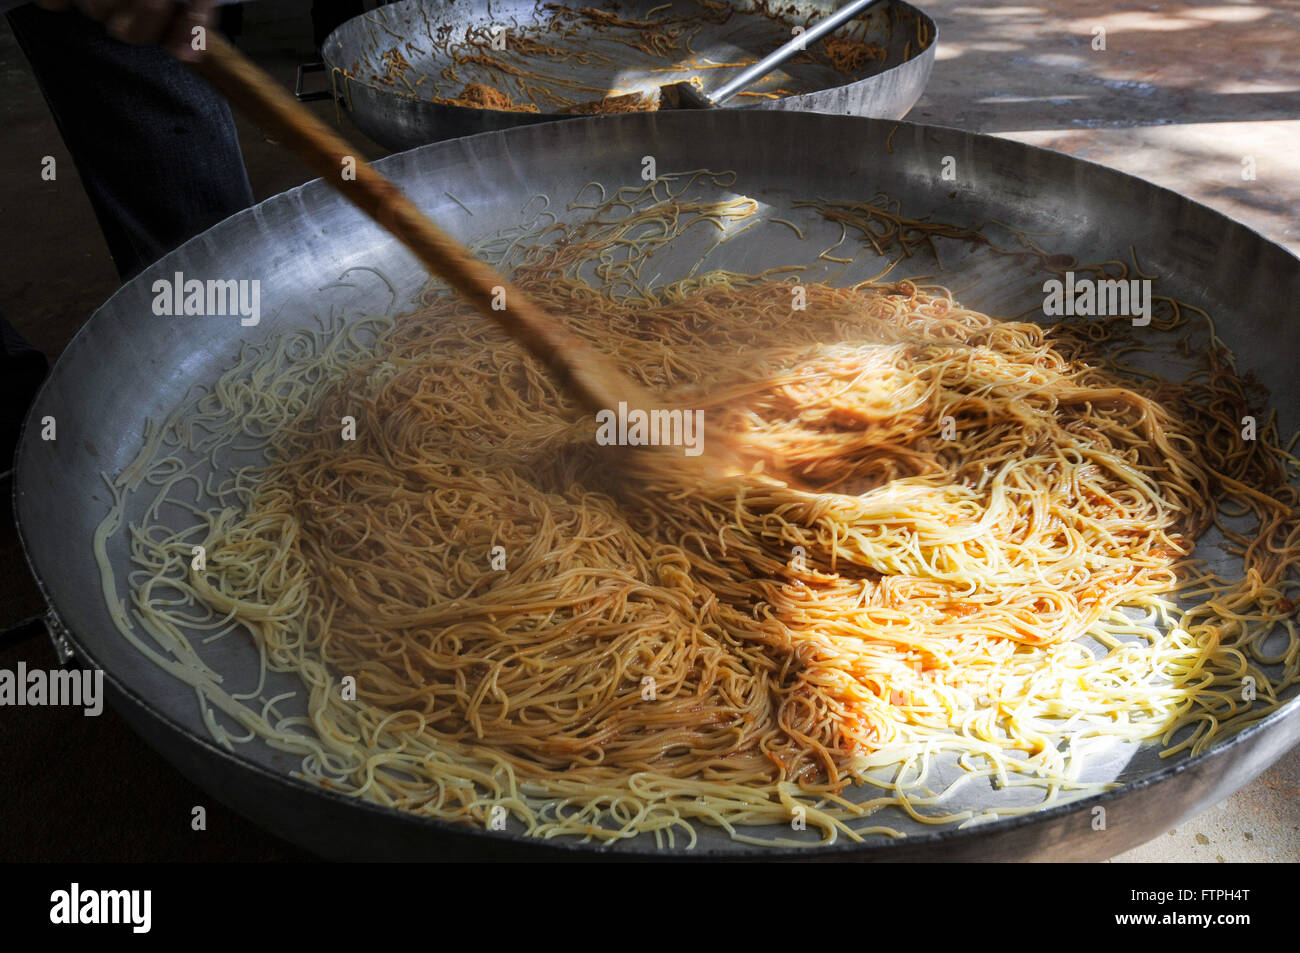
402	114
128	365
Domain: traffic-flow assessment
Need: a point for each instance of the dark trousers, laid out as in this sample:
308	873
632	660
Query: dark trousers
154	145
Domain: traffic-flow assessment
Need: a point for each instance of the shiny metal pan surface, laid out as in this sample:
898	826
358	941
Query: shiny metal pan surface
128	365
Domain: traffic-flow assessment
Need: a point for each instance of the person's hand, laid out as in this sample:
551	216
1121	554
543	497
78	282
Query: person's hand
169	23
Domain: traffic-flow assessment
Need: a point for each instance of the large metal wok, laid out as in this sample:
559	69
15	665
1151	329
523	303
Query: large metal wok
127	365
401	114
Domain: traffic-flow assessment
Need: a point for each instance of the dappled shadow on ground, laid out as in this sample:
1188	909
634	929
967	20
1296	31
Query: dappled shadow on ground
1193	61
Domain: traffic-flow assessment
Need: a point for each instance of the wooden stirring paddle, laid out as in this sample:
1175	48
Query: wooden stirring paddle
585	373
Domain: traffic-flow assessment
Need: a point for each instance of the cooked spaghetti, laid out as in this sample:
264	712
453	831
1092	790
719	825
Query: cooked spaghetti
980	545
565	61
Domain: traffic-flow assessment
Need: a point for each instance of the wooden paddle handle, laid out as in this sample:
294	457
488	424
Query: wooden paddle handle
586	373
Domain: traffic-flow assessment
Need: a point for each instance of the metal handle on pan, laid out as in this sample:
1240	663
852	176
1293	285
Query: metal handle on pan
31	627
302	97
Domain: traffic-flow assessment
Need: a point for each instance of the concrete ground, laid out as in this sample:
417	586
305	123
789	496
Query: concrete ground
1182	95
